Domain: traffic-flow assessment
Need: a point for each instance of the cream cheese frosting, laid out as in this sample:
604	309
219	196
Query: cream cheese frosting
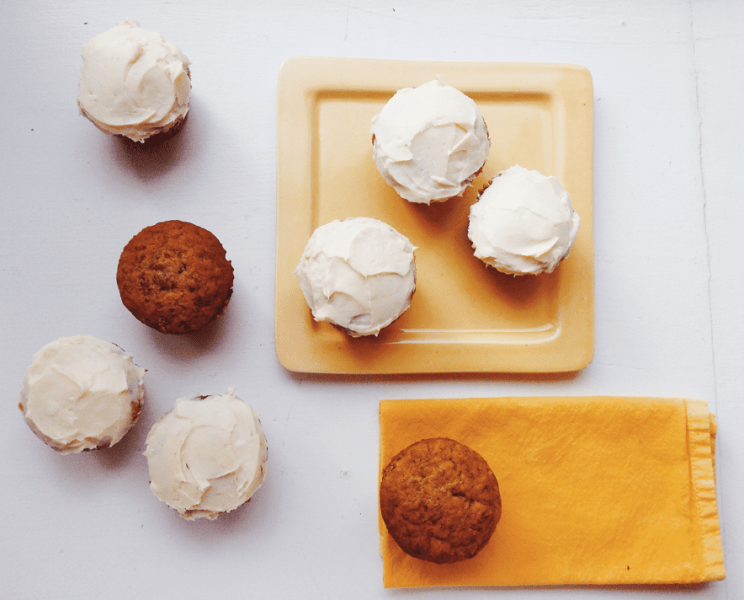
81	393
207	455
523	223
133	82
358	274
430	142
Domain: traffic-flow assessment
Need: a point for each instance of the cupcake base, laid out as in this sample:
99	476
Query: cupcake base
160	137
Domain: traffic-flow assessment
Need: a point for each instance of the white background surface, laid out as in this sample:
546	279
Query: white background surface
668	84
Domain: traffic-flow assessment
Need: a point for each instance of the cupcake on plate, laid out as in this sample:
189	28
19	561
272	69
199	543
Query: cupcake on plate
358	274
523	223
207	455
430	142
134	83
439	500
81	393
174	277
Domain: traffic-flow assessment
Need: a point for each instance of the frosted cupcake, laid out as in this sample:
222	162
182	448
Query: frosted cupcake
81	393
430	142
358	274
134	83
523	223
207	456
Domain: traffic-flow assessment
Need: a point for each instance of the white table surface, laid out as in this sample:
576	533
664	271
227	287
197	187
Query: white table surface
668	87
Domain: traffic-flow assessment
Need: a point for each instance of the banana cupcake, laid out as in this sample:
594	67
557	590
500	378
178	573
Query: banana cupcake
81	393
174	277
523	223
134	83
439	500
430	142
207	455
358	274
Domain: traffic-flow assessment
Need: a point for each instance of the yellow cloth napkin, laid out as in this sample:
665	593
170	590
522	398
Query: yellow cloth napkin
595	490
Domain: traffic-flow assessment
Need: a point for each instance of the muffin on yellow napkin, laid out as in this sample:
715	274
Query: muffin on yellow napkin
596	490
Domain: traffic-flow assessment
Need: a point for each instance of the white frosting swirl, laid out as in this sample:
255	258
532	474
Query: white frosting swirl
207	456
358	274
81	393
429	142
523	223
133	82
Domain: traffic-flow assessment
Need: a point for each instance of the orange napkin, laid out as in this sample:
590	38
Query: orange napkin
595	490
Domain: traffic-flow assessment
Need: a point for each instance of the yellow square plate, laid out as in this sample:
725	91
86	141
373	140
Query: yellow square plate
463	317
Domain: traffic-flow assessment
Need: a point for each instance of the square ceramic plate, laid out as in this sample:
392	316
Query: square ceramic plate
463	316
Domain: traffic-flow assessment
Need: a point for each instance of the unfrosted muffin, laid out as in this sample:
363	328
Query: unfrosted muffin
81	393
207	456
358	274
174	277
134	83
430	142
440	500
523	223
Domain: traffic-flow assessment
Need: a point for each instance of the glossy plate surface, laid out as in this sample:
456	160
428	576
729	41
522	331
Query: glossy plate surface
463	316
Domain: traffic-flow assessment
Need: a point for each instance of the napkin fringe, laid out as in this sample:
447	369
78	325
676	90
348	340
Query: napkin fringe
701	431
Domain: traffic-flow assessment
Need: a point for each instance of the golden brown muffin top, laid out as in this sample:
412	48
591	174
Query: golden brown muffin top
174	277
440	500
